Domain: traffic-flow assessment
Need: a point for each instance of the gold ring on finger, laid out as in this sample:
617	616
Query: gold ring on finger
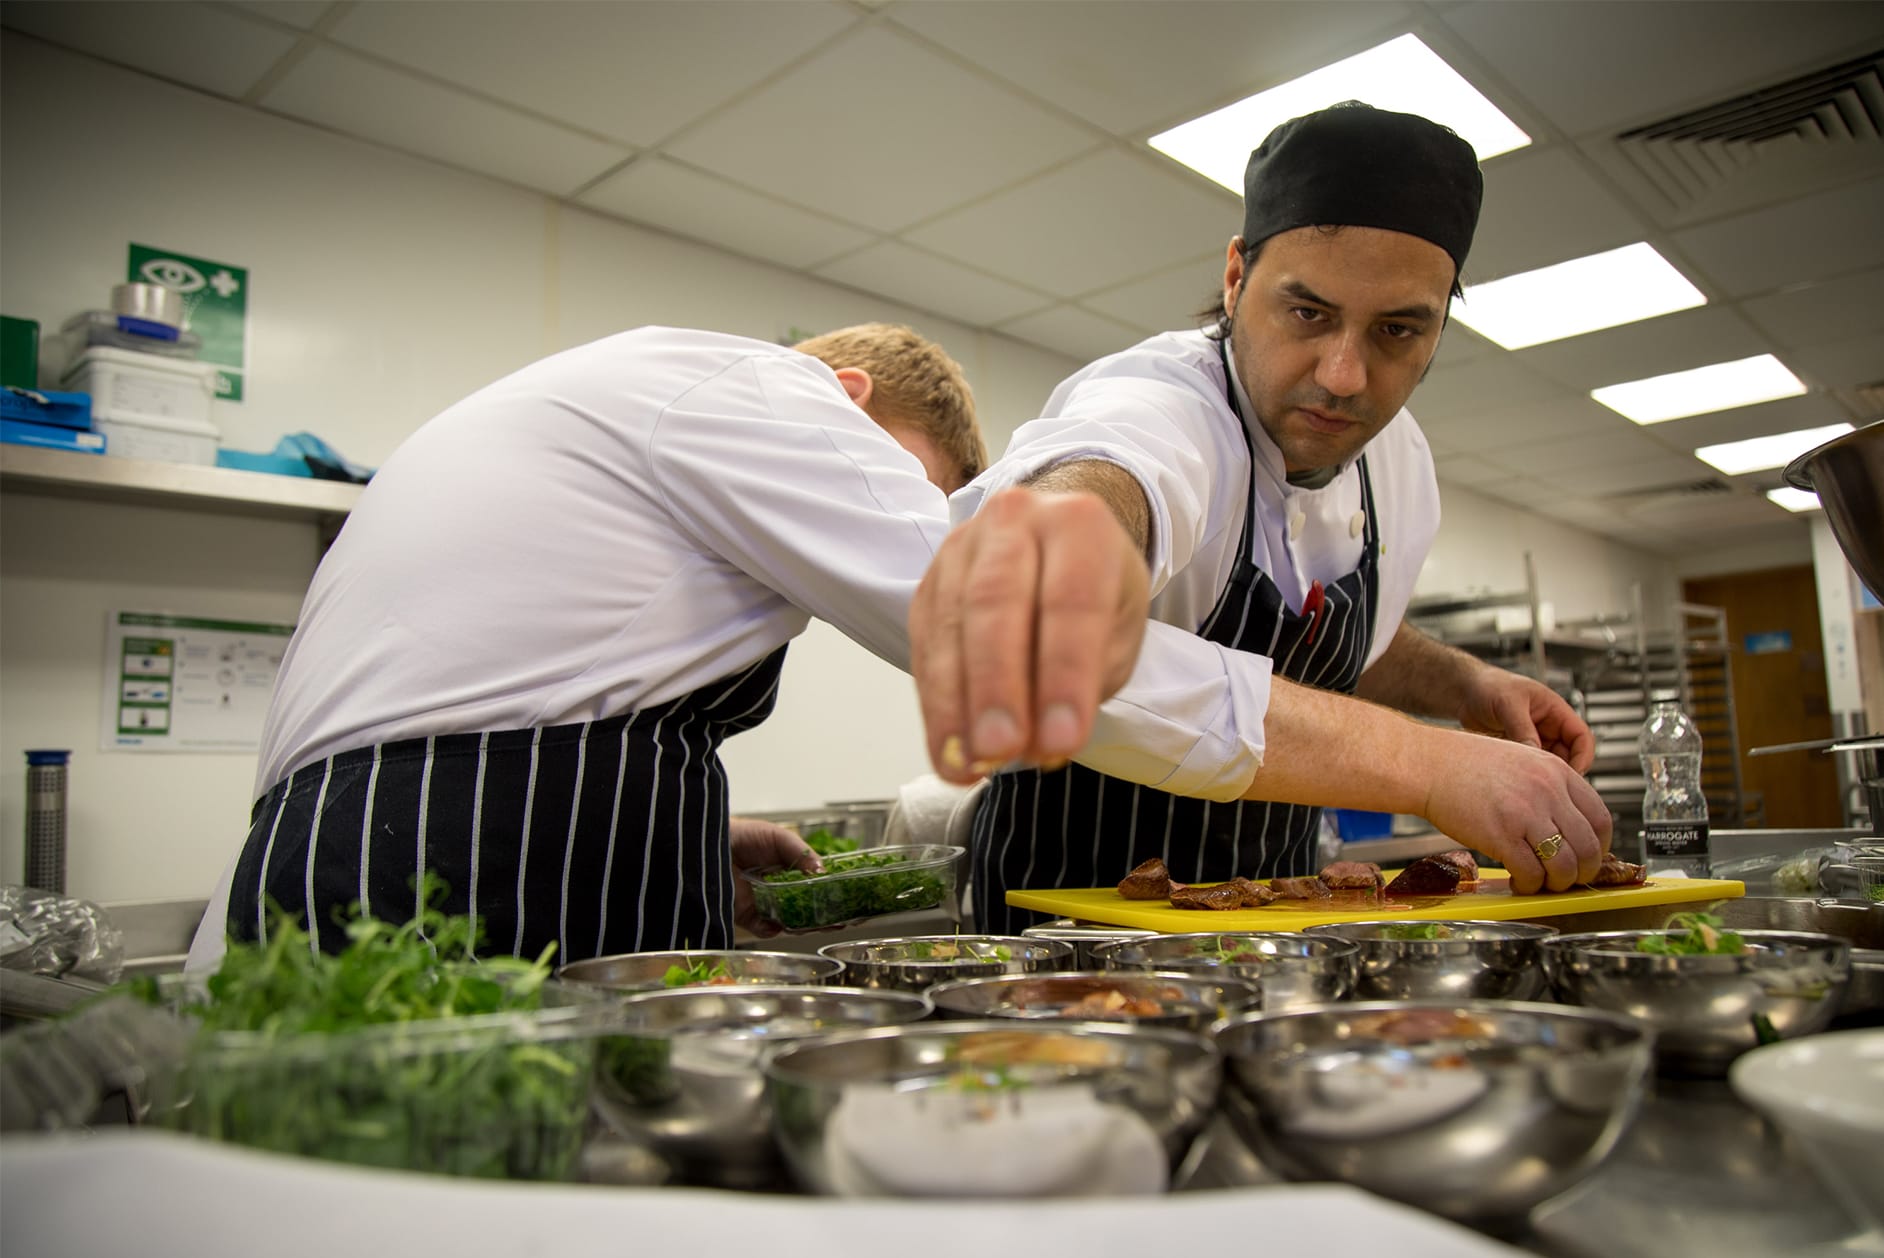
1550	847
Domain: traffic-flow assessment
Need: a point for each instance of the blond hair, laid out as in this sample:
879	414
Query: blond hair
913	382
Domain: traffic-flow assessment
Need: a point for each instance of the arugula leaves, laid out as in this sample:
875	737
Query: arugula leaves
703	971
1693	935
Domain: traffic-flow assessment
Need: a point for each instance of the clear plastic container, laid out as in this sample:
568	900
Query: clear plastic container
495	1096
857	886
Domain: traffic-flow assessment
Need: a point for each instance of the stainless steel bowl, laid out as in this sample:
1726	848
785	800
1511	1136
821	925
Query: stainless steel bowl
647	971
1490	1110
1186	1002
918	962
1422	960
1863	1003
1705	1010
1085	936
683	1076
1293	970
1847	473
992	1108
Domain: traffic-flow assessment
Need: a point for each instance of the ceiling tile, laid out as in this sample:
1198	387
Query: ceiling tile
1812	238
1100	220
1591	67
961	137
1467	470
1498	382
930	283
1810	314
692	203
1139	65
1497	426
1813	410
1543	206
218	50
361	98
1461	344
1647	474
1840	364
1072	331
637	70
1652	347
299	13
1169	299
1546	459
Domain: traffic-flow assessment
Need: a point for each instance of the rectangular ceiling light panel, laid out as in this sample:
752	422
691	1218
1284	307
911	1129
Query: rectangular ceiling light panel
1760	454
1719	387
1793	499
1402	74
1582	295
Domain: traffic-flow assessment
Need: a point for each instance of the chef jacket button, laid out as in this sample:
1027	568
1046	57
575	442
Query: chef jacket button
1295	525
1356	524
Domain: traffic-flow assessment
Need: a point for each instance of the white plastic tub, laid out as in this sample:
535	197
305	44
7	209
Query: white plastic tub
149	407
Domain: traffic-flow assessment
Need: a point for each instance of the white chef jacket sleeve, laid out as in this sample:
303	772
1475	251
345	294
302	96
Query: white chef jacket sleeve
1160	432
774	471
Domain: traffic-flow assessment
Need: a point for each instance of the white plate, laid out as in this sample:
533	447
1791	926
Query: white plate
1828	1092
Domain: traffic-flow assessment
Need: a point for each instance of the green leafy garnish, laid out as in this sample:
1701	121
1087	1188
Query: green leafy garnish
827	901
1416	930
824	843
350	1056
1226	948
1698	934
699	972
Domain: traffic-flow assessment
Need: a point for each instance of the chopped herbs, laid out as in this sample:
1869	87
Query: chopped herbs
354	1056
846	891
697	974
824	843
1693	935
956	950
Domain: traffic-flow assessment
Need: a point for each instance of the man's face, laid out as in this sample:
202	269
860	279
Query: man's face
1331	331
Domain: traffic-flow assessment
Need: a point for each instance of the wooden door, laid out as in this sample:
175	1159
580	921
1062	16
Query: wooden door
1778	660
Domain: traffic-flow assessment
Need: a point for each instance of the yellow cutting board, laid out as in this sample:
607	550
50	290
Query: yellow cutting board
1493	901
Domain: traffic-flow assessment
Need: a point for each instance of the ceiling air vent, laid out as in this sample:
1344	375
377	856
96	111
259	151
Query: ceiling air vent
1812	130
1705	488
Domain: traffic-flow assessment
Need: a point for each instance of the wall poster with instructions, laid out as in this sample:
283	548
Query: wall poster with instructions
187	683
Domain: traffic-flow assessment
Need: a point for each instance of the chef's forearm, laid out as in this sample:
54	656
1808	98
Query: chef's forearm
1337	751
1111	484
1420	676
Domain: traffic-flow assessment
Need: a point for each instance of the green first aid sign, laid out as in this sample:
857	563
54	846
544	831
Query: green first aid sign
215	306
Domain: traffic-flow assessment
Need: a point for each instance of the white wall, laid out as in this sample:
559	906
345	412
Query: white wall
382	289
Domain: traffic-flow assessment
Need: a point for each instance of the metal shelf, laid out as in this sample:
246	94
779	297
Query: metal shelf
97	477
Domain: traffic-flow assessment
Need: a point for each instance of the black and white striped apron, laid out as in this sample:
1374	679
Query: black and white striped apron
1078	828
602	837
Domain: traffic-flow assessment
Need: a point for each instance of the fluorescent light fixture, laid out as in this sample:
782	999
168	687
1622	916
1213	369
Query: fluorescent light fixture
1761	453
1793	499
1402	74
1602	290
1720	387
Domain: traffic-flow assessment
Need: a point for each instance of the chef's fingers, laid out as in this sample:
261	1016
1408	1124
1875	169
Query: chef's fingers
1566	735
999	593
1596	812
1087	635
1521	861
935	657
1512	710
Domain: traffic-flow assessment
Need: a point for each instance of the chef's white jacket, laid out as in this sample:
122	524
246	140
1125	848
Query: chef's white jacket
621	523
1159	411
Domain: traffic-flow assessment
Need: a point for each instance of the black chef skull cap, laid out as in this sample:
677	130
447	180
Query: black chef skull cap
1352	165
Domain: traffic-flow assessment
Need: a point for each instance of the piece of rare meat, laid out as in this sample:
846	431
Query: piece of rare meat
1427	876
1467	863
1220	897
1616	872
1254	894
1353	876
1310	888
1150	881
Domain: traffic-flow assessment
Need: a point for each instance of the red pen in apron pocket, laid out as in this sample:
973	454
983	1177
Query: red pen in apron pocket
1312	608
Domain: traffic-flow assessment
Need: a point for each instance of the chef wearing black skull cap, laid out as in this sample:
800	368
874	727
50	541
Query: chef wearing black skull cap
1286	500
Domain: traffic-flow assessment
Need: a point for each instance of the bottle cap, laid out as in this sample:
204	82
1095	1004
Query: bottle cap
47	757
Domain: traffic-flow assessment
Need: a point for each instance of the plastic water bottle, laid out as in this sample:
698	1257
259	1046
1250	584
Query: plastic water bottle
1674	807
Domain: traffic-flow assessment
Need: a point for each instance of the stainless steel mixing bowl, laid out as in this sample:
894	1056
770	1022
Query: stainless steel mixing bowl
918	962
647	971
992	1108
1847	473
1177	1001
1705	1010
1476	1110
1293	970
683	1075
1422	960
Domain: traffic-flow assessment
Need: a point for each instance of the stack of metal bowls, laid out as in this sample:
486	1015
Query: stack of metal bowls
917	963
1705	1010
1475	1110
1177	1001
682	1076
1292	970
1433	960
992	1108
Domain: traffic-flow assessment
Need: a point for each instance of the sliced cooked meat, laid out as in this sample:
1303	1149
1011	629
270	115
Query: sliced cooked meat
1222	896
1310	888
1254	894
1353	876
1467	862
1615	872
1150	881
1427	876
